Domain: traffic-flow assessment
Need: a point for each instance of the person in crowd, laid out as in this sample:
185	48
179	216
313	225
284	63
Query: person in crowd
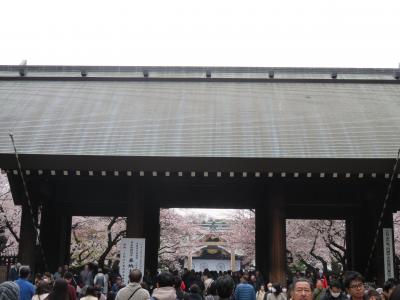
47	277
87	276
285	292
60	291
395	295
14	271
207	279
212	292
133	291
225	286
334	292
9	291
38	279
59	273
26	289
388	288
195	293
260	293
302	289
180	292
354	285
319	290
321	276
90	294
116	286
254	283
260	279
276	293
165	287
42	291
269	288
68	277
100	281
245	291
373	295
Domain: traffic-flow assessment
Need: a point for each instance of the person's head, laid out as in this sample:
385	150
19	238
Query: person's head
195	289
389	286
47	277
224	286
60	290
262	288
118	280
177	281
302	289
319	285
68	277
354	284
165	279
135	275
269	286
91	291
43	288
100	270
335	288
212	289
24	272
395	295
276	288
60	269
373	295
253	278
244	278
9	291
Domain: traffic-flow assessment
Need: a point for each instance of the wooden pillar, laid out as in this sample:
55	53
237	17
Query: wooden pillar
361	231
262	240
135	213
55	231
152	235
27	243
143	221
277	238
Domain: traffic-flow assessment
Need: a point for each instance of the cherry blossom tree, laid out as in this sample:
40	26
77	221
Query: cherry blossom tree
241	234
317	243
179	237
95	239
10	219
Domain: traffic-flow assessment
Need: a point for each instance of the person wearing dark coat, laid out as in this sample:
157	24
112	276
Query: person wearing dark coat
334	292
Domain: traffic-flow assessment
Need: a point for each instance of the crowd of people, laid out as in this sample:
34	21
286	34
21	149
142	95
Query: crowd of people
93	284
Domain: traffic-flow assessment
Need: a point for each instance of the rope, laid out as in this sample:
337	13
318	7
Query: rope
29	202
388	192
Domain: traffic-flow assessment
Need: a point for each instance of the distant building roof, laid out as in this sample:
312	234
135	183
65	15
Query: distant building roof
200	112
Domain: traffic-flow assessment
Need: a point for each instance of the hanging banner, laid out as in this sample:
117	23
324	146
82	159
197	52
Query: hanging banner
388	253
132	255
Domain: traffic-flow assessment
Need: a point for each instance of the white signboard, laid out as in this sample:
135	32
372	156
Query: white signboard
388	253
132	257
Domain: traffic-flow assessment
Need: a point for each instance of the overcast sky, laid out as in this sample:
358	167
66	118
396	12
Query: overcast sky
315	33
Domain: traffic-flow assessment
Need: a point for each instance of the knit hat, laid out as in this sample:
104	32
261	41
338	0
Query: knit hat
9	291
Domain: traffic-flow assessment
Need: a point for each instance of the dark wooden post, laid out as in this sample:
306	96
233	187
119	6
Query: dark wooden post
27	241
277	237
55	235
135	212
271	237
262	239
